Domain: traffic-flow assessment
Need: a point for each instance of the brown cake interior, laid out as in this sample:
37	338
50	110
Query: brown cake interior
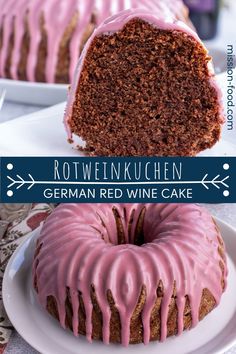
146	91
136	329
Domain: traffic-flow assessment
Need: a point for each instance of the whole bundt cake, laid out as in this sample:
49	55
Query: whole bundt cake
145	85
129	273
40	40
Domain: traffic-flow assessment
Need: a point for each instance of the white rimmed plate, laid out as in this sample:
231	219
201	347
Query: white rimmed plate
34	93
215	334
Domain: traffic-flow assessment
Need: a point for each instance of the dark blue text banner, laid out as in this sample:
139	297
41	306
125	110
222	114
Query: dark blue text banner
93	180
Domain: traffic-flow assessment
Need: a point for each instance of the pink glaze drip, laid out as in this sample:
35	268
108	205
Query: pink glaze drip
79	248
57	15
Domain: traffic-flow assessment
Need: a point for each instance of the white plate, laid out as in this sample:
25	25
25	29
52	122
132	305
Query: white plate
215	334
38	134
34	93
43	134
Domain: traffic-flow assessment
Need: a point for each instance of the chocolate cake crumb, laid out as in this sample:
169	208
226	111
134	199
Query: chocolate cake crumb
145	91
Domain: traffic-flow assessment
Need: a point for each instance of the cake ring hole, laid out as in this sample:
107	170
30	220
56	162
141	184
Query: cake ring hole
129	236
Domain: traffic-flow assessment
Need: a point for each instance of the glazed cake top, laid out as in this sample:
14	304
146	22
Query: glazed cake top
79	246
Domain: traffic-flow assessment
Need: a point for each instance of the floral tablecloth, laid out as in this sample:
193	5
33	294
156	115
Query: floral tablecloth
16	222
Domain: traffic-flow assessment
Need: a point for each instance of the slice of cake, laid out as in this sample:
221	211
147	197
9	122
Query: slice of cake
145	86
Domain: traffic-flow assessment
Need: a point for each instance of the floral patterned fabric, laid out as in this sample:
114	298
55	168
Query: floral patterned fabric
16	222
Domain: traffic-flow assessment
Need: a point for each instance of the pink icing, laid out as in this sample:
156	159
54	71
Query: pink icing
57	16
163	15
79	248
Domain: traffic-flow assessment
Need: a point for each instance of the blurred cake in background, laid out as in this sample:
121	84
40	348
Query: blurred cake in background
41	40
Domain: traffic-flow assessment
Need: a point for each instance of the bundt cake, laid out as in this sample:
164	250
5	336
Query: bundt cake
145	85
129	273
40	40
